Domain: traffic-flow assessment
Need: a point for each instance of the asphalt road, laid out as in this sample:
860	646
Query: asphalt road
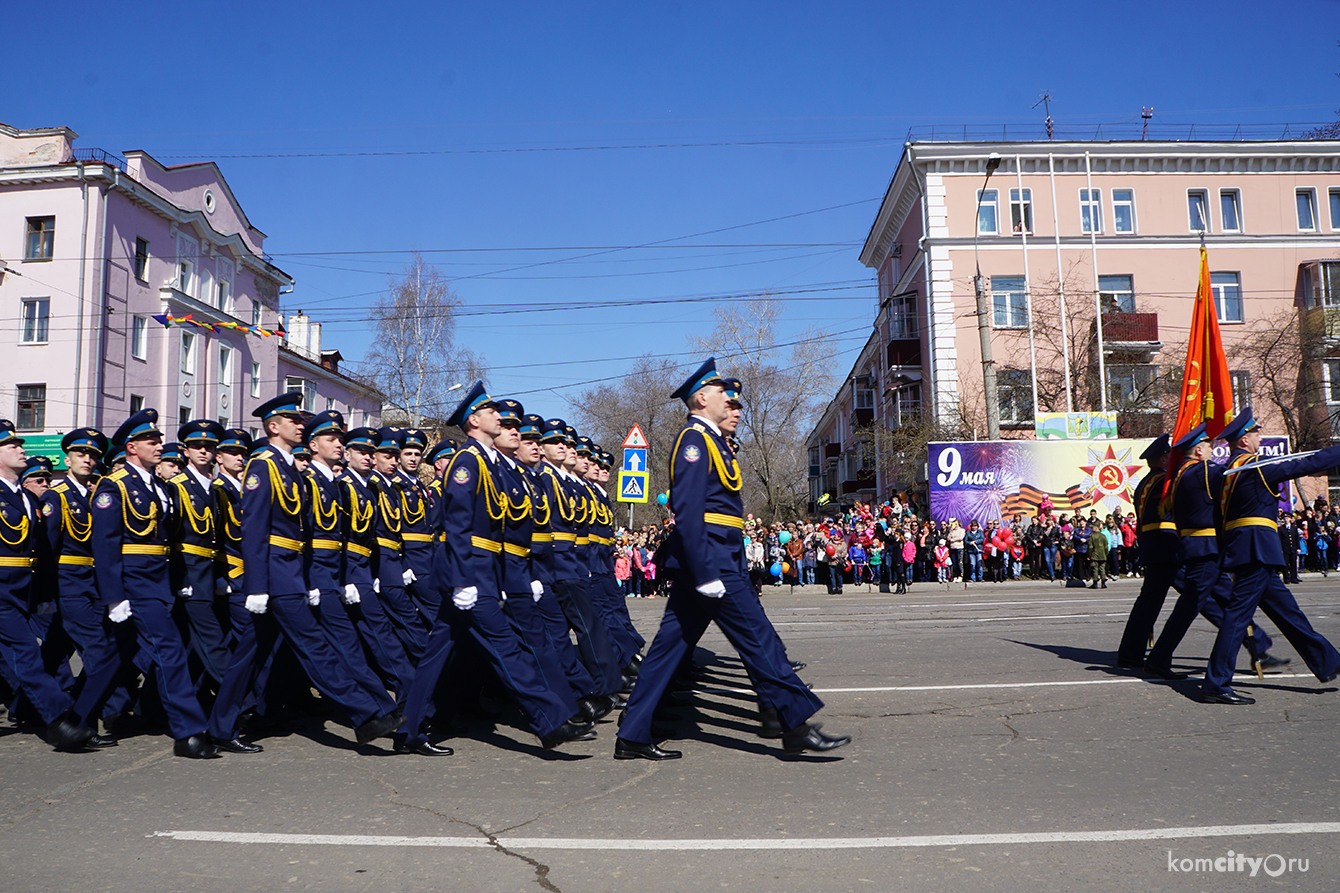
996	748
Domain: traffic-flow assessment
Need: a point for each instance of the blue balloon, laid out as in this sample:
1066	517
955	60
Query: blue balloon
662	499
747	541
784	537
776	570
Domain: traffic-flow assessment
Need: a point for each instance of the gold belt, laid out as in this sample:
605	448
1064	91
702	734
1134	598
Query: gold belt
81	560
724	520
1251	522
1197	531
202	551
138	549
333	545
541	538
565	537
234	566
15	561
513	549
582	540
1158	525
417	537
487	545
357	549
284	542
234	560
388	544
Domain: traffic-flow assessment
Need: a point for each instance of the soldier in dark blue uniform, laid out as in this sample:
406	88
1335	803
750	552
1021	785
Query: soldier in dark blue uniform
416	529
1252	553
275	589
705	484
393	573
193	537
130	560
1158	543
603	586
469	572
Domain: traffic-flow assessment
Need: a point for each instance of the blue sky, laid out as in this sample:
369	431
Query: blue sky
508	97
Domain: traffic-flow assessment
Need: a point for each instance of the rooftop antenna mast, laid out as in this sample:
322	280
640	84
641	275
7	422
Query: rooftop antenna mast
1146	112
1045	102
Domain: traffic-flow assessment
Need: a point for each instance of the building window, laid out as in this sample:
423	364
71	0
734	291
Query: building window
1133	388
1335	210
136	403
863	398
139	337
1198	210
1091	211
307	388
903	317
362	417
1323	284
1009	302
224	298
1227	296
255	313
32	408
1242	390
225	366
41	241
142	259
36	320
1015	387
330	404
1123	210
1117	293
1307	209
184	414
906	409
187	251
1230	210
224	421
1021	212
188	353
207	291
987	211
255	379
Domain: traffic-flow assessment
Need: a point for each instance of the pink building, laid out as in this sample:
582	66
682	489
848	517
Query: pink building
1089	253
93	246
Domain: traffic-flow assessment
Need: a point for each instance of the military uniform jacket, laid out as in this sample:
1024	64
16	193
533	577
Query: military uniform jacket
192	536
69	528
473	508
563	510
1157	534
1195	507
130	545
357	507
1251	505
541	537
705	483
416	530
518	528
325	558
583	510
274	505
228	527
602	531
23	542
386	521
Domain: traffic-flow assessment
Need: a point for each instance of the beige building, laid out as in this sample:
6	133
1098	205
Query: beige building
1089	253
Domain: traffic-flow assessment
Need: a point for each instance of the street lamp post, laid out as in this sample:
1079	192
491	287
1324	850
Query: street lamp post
983	316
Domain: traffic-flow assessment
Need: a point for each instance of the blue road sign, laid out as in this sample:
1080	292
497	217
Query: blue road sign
635	459
632	486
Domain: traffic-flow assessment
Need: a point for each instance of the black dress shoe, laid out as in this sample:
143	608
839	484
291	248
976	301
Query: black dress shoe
596	707
808	737
798	665
1271	662
1130	664
234	745
631	670
1163	673
379	726
637	660
196	747
618	701
569	731
65	733
101	741
627	684
1331	677
423	749
770	726
631	750
1228	697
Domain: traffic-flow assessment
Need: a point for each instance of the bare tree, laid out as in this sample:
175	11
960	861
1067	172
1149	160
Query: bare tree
414	359
1282	358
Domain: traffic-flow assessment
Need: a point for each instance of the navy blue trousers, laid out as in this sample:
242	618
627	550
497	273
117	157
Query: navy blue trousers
593	643
339	631
614	606
383	644
205	633
85	620
1253	585
581	682
740	617
405	618
521	609
23	656
1204	590
1159	578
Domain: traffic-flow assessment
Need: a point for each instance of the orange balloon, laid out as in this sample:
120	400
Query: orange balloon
786	567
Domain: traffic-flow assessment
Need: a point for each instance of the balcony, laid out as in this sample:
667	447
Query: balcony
862	418
1135	329
904	352
832	451
864	481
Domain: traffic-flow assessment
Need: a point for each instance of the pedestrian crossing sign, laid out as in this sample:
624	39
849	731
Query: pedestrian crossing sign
632	486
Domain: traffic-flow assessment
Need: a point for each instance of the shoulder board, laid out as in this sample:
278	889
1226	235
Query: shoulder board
117	475
179	478
699	426
469	448
61	487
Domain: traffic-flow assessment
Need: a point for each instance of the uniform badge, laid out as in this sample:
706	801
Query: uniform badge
47	509
104	501
461	476
253	482
691	454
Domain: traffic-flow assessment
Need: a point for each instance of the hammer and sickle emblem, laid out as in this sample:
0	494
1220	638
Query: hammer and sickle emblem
1110	478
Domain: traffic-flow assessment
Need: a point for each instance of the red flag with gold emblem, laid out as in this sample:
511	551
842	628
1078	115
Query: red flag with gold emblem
1207	391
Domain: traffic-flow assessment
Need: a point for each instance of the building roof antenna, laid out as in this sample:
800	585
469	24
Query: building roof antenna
1146	112
1045	101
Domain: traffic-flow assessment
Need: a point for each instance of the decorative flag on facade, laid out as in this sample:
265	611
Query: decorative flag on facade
167	321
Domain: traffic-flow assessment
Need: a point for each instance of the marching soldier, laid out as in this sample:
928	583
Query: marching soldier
415	528
705	484
602	584
393	573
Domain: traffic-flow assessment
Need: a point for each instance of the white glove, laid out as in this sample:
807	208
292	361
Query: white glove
314	597
185	591
350	596
714	589
408	576
465	597
221	586
377	586
119	612
257	604
536	589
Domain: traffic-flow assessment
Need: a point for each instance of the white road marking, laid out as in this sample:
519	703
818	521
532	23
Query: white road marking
1124	680
802	843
